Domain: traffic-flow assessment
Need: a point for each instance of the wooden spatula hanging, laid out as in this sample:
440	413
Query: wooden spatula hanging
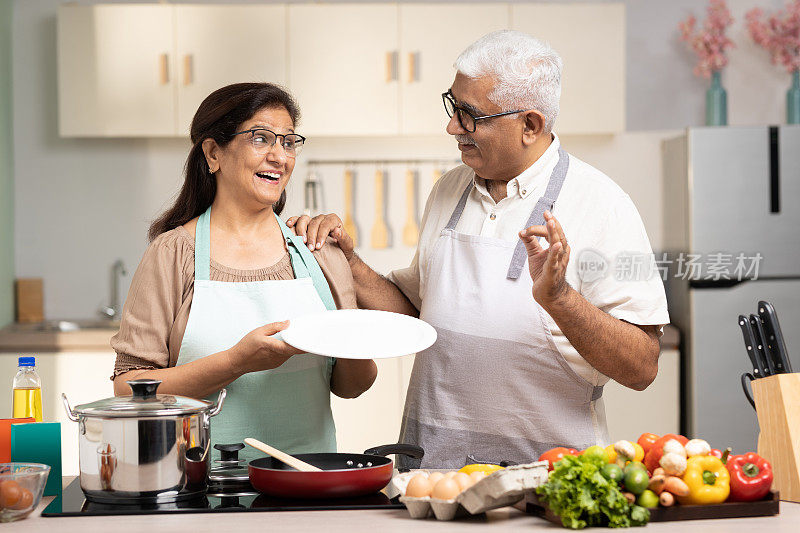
437	173
349	194
411	229
380	230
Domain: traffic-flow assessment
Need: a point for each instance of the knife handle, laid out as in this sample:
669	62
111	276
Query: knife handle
775	336
749	343
761	346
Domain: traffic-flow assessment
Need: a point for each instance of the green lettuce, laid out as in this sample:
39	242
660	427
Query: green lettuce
581	496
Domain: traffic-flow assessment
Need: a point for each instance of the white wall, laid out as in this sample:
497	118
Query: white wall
82	203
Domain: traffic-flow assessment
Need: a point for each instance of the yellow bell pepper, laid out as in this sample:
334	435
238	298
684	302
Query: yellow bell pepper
487	468
708	480
612	454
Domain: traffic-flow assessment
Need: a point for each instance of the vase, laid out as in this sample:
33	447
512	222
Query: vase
793	100
716	102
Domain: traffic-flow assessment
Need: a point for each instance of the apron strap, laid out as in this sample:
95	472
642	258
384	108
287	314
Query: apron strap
305	265
545	203
457	212
202	247
303	261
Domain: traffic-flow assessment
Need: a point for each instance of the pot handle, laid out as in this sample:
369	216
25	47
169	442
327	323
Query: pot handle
70	413
411	450
217	407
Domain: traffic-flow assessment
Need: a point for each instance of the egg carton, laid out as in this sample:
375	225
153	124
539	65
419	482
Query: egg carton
499	489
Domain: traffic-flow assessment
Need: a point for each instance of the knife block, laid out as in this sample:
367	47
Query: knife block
777	400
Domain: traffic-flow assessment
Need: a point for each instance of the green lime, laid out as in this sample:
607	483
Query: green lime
596	452
648	499
612	472
636	480
635	464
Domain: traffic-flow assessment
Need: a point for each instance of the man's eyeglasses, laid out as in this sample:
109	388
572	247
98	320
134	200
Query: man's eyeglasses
263	140
467	120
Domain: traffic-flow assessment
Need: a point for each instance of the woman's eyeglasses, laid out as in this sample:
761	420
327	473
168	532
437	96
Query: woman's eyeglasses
263	140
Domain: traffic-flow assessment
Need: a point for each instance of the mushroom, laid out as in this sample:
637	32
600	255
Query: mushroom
673	446
673	464
697	447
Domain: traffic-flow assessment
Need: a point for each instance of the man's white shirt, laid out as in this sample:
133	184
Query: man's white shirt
611	262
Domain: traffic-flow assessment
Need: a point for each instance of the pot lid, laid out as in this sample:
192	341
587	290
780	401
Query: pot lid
143	403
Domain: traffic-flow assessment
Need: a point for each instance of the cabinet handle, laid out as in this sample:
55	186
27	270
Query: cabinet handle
391	66
413	66
164	68
188	70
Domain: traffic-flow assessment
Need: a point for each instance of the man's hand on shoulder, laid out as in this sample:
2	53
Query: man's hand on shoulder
315	230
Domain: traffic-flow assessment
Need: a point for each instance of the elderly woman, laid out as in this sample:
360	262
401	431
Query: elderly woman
222	276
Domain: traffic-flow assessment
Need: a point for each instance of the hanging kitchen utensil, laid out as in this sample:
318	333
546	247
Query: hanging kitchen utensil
775	342
381	237
750	345
411	229
437	173
343	474
349	223
283	457
313	195
761	345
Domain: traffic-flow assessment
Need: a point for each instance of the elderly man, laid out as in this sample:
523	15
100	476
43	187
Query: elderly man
525	339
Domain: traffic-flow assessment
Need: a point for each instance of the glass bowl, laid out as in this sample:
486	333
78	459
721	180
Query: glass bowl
21	487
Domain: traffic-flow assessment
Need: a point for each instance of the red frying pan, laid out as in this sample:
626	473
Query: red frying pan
342	474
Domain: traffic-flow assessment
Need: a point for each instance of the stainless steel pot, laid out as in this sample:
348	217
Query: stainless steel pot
146	447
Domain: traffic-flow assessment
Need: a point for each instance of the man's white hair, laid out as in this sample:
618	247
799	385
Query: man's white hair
527	71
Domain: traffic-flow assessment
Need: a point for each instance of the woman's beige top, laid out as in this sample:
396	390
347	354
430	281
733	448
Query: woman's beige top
160	297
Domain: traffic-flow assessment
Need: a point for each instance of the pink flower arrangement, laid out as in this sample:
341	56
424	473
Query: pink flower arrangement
709	42
778	33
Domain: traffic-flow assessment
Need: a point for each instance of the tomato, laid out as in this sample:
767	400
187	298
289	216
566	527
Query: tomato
646	441
652	457
553	456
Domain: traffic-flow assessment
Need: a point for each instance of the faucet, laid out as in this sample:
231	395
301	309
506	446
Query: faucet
112	310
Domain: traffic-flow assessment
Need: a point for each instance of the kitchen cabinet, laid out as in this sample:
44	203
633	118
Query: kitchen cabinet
591	41
222	44
343	68
116	71
142	70
431	38
356	69
83	376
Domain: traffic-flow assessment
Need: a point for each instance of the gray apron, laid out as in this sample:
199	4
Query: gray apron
494	384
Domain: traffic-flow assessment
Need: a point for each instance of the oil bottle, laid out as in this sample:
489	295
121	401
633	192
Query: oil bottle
27	390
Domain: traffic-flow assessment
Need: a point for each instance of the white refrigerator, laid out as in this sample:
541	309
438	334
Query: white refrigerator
732	238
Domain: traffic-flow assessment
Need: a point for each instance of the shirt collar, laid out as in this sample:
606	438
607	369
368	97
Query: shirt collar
525	183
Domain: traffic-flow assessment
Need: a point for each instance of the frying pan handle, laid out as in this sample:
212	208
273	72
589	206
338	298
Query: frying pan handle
410	450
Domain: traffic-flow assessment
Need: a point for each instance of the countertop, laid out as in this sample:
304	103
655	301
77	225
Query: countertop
14	338
394	520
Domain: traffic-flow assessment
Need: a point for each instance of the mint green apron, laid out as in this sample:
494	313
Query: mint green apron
287	407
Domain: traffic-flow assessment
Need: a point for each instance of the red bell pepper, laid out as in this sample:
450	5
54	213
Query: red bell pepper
652	457
555	455
751	477
722	455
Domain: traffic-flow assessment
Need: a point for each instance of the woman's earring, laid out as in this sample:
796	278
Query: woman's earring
210	171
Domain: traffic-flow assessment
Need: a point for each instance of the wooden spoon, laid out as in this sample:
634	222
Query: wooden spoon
380	231
294	462
349	223
411	230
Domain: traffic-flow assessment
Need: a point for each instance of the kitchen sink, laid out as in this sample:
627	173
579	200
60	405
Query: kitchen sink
66	325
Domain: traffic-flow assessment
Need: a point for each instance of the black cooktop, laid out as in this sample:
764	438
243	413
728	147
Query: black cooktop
73	503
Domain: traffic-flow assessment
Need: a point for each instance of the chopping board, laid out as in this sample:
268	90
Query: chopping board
349	223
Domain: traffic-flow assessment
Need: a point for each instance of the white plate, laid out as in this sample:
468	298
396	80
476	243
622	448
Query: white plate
359	334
